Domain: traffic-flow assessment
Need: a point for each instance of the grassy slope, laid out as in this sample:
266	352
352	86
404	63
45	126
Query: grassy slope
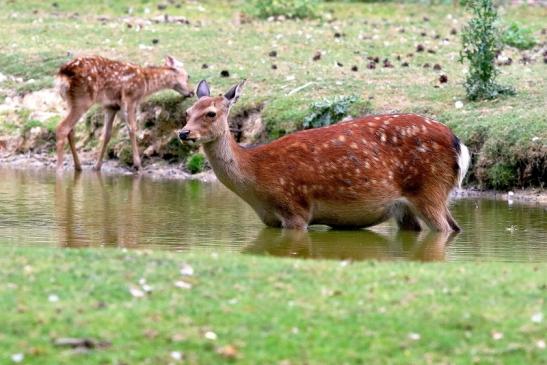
500	133
270	310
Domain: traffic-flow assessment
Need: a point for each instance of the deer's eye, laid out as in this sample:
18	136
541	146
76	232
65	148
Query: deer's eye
211	114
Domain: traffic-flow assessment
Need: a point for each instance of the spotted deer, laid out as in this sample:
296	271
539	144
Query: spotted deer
117	86
348	175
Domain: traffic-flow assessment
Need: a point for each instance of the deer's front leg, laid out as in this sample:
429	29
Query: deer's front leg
131	112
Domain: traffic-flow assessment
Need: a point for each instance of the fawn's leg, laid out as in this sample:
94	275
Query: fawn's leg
131	110
72	143
64	129
109	115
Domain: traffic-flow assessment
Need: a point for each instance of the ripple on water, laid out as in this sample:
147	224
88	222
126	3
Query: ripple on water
37	208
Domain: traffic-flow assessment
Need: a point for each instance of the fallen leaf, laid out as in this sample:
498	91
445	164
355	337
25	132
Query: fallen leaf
228	351
414	336
81	343
210	335
136	292
176	355
186	270
497	335
183	284
178	337
537	317
53	298
17	357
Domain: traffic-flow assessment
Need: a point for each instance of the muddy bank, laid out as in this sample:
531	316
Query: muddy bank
160	169
155	168
502	158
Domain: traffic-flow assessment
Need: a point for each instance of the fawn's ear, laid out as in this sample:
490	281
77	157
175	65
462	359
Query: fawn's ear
170	61
202	89
233	94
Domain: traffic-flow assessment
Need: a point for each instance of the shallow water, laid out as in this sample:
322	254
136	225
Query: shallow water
91	210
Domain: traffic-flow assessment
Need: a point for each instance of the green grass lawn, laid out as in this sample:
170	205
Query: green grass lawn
259	310
508	137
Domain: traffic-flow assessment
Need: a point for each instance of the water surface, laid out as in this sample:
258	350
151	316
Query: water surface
92	210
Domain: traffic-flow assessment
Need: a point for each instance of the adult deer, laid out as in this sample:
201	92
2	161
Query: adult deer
117	86
348	175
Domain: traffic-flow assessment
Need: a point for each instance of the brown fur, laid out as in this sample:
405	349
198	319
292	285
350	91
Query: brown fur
348	175
115	85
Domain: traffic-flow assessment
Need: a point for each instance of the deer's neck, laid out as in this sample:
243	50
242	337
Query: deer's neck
228	160
157	78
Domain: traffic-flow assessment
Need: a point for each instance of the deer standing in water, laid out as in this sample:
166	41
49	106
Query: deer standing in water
348	175
117	86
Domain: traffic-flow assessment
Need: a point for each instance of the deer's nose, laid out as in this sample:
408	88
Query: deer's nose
183	134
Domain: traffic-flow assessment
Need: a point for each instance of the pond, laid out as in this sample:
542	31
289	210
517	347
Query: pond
92	210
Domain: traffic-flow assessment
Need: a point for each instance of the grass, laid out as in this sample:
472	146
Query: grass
267	311
37	38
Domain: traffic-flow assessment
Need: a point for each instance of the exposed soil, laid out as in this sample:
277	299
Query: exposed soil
160	169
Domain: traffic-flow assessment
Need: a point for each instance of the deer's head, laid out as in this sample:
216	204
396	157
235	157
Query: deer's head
207	119
180	82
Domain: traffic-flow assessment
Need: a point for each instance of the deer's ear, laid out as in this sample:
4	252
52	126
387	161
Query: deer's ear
171	61
202	89
233	94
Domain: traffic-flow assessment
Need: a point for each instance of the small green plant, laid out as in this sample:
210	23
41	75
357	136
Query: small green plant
519	37
327	112
31	123
481	43
195	163
286	8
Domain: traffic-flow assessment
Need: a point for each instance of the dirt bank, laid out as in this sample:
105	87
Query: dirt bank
157	168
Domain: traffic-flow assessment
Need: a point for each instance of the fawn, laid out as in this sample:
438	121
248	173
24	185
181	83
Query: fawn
348	175
117	86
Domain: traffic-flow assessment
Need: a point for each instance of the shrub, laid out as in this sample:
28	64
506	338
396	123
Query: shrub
481	44
519	37
327	112
195	163
287	8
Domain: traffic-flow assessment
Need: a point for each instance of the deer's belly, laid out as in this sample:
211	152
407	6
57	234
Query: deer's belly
356	214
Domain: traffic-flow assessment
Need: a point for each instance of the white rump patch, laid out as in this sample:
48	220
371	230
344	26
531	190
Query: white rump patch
464	159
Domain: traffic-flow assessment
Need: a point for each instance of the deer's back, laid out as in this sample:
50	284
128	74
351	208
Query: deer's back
374	158
100	78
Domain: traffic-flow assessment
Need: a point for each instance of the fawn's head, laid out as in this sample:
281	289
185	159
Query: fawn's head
207	119
181	78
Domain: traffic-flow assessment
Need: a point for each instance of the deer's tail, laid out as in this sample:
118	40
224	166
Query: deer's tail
464	159
62	84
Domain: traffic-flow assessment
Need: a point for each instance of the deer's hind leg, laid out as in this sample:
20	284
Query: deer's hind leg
433	210
131	119
64	131
109	116
72	143
405	217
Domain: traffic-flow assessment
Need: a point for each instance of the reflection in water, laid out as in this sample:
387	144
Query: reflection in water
114	223
89	209
351	245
